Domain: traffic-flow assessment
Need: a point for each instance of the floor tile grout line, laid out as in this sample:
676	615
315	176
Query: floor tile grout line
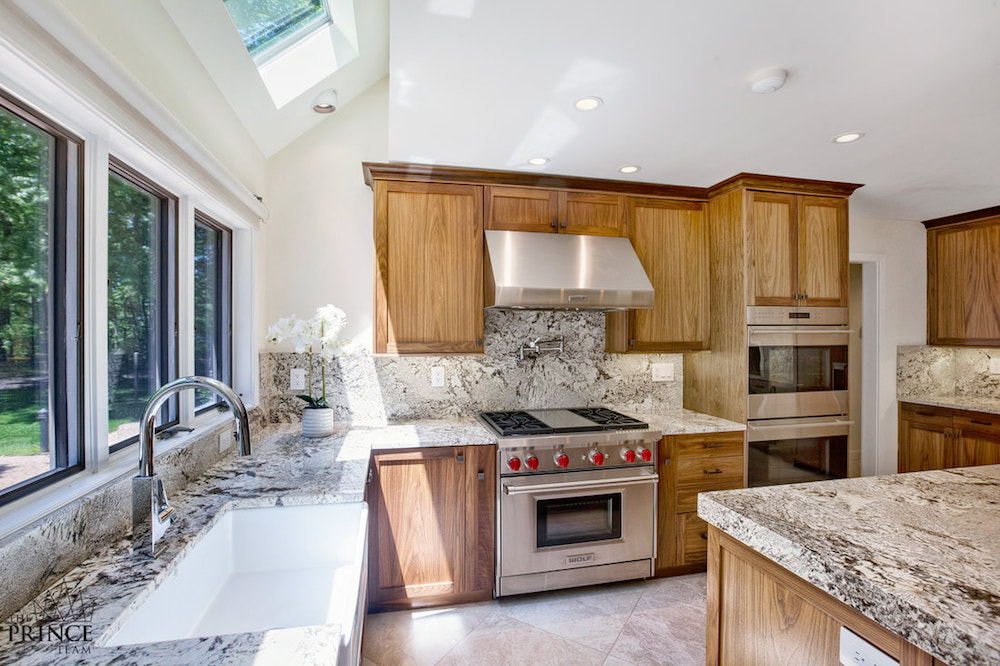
463	638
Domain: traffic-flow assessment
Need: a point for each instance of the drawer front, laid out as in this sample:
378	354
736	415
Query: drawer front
710	472
694	533
978	421
687	497
710	445
941	416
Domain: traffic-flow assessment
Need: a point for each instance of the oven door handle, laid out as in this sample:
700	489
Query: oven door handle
801	331
800	425
579	485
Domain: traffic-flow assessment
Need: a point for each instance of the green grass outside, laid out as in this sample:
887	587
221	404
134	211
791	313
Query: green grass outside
19	433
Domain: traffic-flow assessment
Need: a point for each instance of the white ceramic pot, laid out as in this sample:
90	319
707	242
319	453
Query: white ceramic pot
317	421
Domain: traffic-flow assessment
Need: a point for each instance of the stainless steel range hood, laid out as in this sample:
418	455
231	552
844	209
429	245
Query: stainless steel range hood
564	271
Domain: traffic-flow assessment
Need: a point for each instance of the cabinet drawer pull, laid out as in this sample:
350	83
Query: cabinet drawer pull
985	423
482	475
714	445
717	471
926	414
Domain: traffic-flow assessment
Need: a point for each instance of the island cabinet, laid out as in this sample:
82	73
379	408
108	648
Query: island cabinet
431	526
671	239
963	279
691	464
428	268
797	250
940	438
555	211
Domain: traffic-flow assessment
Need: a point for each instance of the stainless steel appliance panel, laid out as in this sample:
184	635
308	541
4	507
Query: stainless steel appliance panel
796	450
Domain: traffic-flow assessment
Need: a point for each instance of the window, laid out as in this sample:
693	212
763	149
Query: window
39	302
142	308
266	26
213	305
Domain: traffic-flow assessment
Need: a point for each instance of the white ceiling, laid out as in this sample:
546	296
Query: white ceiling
492	83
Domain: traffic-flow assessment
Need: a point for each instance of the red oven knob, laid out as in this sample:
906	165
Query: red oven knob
532	462
597	458
562	460
514	464
628	455
646	455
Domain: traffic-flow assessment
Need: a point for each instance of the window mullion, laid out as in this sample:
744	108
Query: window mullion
95	305
185	303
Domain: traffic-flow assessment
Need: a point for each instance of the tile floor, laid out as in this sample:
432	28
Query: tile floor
644	622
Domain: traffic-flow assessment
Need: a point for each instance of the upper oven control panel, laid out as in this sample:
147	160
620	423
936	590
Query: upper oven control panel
770	315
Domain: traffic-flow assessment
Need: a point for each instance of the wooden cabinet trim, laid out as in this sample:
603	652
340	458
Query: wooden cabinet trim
983	214
754	181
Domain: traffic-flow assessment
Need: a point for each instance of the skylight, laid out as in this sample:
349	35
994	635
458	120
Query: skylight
267	26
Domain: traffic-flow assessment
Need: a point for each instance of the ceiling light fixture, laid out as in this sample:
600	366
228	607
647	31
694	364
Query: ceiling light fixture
848	138
629	168
538	161
325	102
588	103
768	80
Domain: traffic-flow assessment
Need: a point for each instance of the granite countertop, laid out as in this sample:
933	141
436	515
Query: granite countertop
685	422
972	403
285	468
918	553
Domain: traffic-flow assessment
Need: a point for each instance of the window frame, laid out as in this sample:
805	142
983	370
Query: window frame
168	361
224	305
65	273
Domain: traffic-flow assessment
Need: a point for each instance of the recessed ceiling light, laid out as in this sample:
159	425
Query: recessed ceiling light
538	161
768	80
849	137
629	168
325	102
588	103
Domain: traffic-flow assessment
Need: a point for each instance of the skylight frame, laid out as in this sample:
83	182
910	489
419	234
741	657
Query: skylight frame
287	36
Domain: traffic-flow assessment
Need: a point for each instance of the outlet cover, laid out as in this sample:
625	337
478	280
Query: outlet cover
995	366
663	372
856	651
225	439
437	376
297	382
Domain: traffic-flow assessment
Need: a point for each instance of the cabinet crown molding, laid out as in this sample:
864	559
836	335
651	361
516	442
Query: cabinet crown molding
971	216
756	181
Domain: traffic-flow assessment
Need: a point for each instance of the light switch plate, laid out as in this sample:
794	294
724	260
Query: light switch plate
663	372
297	382
856	651
437	376
995	366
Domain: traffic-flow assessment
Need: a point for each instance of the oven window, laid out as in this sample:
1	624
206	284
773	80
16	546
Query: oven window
578	519
793	369
797	460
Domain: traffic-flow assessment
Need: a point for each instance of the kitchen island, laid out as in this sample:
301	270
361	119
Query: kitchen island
909	562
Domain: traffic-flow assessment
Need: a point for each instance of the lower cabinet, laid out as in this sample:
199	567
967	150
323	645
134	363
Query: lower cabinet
431	526
691	464
940	438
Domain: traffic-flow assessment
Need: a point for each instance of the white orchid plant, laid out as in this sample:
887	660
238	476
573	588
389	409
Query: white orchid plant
320	334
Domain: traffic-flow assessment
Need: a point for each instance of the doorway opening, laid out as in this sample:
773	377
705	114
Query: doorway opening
866	271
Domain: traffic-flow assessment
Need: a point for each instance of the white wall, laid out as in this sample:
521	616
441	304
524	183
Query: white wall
317	247
903	245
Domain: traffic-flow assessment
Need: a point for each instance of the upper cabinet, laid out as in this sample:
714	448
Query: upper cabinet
671	239
429	268
963	279
797	250
533	209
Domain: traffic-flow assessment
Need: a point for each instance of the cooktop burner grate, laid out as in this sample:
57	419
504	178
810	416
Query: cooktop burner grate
516	423
609	419
559	421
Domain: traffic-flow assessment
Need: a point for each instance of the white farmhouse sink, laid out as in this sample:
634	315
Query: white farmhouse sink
263	568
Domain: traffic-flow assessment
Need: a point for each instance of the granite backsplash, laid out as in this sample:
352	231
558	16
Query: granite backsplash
923	371
367	389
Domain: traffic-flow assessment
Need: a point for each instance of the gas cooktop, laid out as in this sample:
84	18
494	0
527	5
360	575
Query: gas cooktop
559	421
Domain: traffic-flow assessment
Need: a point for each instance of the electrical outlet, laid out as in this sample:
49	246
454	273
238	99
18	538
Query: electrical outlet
663	372
225	439
995	366
297	382
437	376
856	651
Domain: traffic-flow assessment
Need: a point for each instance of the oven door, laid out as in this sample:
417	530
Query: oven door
796	450
797	371
553	522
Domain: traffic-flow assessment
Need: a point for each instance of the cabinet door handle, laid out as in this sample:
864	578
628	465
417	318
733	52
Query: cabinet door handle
717	471
553	224
805	297
563	225
704	536
460	457
948	435
713	445
482	476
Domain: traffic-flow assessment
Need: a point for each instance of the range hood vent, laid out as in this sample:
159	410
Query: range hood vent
543	271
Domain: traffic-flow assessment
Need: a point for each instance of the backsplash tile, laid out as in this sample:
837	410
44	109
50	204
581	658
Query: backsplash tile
366	389
923	371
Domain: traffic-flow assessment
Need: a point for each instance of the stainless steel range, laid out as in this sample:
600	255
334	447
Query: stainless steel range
576	498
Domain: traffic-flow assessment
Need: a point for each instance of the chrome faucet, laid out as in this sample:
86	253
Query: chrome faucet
149	500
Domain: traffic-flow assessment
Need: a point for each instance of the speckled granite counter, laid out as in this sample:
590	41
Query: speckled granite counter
918	553
284	469
685	422
972	403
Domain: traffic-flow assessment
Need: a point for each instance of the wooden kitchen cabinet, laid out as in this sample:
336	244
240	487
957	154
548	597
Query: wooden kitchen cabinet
797	250
431	526
691	464
428	268
671	240
555	211
940	438
963	280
